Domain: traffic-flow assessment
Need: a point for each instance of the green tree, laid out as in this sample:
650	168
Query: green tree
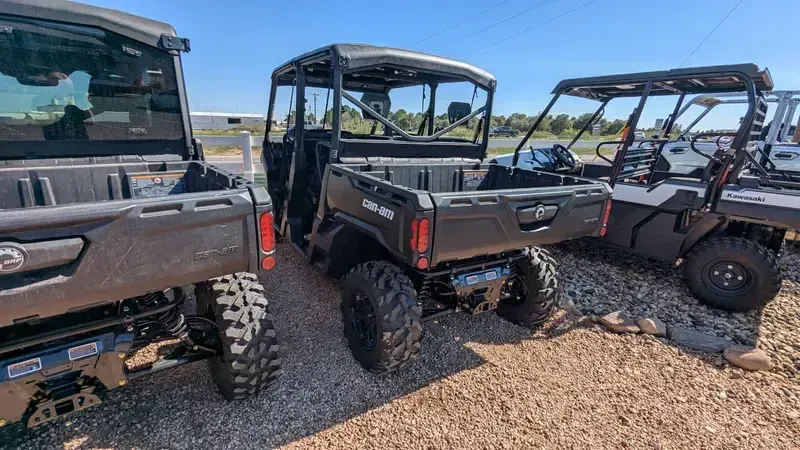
581	120
560	124
498	121
614	127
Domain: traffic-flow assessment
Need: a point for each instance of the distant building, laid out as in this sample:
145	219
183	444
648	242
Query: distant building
224	121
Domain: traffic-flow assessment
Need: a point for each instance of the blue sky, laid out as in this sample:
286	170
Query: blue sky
237	44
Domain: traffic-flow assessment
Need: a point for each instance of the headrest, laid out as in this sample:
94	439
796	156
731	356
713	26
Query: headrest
380	103
457	111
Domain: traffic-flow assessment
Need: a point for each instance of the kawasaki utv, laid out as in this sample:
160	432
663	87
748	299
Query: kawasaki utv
727	221
107	210
401	204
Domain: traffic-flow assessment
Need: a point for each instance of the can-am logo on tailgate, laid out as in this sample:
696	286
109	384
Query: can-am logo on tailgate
747	198
12	258
376	208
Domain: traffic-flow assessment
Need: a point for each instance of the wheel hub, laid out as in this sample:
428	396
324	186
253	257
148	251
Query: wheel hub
728	276
363	321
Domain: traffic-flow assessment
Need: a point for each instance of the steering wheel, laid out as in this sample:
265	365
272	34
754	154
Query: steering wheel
564	156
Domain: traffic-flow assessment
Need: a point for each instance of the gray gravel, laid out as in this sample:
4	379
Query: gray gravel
601	280
480	382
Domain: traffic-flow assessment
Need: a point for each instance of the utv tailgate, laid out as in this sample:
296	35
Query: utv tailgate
82	255
469	224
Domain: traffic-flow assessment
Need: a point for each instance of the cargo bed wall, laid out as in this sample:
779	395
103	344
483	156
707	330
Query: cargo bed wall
448	177
62	184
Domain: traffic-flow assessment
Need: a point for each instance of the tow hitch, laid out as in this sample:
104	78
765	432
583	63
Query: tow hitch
481	291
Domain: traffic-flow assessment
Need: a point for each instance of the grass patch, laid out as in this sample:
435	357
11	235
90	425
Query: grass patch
228	150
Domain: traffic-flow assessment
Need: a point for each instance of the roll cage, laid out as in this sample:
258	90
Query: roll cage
377	70
787	102
639	164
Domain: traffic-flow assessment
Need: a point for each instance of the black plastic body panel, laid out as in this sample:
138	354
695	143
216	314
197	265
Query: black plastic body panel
128	246
473	208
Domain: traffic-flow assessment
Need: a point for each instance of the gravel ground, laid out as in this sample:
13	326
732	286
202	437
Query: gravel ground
643	288
480	382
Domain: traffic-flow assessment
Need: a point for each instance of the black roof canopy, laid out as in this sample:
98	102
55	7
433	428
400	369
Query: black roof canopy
693	80
368	68
134	27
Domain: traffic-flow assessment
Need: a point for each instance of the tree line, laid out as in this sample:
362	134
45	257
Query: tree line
352	120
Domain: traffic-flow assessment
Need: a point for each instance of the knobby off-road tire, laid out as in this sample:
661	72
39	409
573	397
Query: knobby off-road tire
381	316
537	290
249	362
750	270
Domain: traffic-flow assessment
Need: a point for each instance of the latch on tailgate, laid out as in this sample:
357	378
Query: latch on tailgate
536	213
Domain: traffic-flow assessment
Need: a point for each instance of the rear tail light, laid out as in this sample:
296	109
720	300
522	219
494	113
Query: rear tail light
268	263
267	229
424	231
422	263
420	234
606	215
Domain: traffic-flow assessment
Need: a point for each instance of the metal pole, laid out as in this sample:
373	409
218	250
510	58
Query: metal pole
315	107
247	155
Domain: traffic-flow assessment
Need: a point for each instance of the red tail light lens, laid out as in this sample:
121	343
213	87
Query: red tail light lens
268	263
267	228
420	234
422	263
424	231
606	215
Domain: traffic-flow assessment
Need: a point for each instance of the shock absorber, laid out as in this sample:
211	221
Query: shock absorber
424	290
173	322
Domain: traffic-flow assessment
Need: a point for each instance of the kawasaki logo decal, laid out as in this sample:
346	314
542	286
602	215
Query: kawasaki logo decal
747	198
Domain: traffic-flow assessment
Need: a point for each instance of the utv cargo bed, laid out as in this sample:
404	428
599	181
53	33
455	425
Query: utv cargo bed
477	209
61	213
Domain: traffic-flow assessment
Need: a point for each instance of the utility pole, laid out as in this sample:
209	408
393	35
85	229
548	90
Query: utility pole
315	106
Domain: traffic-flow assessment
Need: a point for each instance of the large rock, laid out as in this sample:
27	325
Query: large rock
652	326
696	340
618	322
747	357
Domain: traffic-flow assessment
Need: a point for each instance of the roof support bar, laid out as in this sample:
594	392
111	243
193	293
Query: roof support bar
401	132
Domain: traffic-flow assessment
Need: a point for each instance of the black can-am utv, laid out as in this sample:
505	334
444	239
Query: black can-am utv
107	209
408	212
727	221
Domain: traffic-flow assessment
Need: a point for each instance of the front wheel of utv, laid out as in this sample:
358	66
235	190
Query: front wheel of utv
731	273
382	320
533	290
249	361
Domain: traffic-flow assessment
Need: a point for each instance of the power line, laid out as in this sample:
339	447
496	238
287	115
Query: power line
462	22
467	36
531	28
712	32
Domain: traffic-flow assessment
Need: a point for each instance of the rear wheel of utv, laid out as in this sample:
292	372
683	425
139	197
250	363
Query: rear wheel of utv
381	316
534	290
732	273
249	362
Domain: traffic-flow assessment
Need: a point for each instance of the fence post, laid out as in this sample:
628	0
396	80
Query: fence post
247	155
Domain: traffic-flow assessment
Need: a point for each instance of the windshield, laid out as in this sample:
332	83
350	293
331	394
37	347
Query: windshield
68	83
